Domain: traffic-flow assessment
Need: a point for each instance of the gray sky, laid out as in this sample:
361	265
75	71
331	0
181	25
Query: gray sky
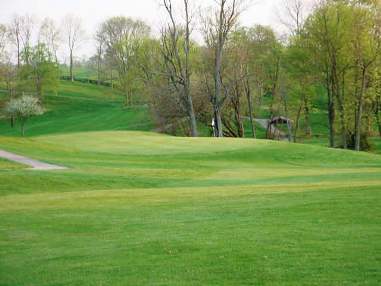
95	11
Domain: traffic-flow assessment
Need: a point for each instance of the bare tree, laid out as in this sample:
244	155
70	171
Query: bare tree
27	26
100	43
3	38
217	28
20	32
294	14
74	35
14	33
50	35
177	67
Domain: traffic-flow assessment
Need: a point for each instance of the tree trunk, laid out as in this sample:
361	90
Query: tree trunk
18	53
377	115
128	97
192	117
274	88
331	121
99	66
236	103
98	74
237	114
217	121
369	125
39	89
342	123
337	93
111	79
217	72
217	91
22	123
331	113
307	127
285	103
187	85
377	109
297	122
12	121
358	125
250	105
71	66
359	112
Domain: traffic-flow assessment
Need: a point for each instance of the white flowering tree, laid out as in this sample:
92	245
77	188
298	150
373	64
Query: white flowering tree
23	108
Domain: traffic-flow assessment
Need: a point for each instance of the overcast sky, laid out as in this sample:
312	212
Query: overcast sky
95	11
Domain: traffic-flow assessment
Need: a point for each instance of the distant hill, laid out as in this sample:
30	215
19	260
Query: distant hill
84	107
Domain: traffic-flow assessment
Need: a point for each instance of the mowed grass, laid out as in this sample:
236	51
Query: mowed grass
83	107
138	208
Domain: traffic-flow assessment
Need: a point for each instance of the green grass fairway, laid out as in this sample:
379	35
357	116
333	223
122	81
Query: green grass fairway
139	208
83	107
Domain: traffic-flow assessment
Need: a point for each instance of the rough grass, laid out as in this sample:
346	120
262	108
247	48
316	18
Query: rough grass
139	208
6	165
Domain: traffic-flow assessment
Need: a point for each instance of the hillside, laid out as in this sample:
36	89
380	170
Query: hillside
83	107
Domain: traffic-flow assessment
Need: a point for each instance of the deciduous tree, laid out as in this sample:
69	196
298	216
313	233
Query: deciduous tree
23	108
74	34
176	52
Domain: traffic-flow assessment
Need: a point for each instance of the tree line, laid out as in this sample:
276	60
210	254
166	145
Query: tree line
330	60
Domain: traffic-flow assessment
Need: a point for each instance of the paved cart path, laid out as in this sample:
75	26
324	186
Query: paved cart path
36	165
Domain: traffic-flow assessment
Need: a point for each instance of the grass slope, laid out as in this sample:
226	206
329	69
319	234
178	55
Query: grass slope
139	208
83	107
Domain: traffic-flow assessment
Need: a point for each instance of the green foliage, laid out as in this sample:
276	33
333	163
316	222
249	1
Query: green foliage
123	39
266	51
39	73
340	43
